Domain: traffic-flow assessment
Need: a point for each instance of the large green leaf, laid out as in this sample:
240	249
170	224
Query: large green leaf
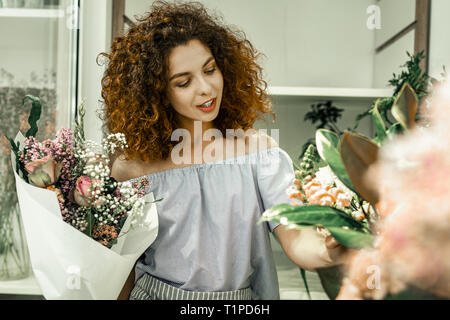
351	238
380	128
327	145
405	107
305	282
35	114
358	154
310	215
331	279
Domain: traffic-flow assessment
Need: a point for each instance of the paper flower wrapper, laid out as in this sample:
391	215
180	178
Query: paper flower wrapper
69	265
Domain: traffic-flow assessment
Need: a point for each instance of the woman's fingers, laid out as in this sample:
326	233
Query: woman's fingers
331	242
337	252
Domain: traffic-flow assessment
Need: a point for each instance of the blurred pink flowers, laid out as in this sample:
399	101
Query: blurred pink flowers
412	176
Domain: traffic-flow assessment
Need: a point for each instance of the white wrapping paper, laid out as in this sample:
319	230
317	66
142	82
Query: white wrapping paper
69	265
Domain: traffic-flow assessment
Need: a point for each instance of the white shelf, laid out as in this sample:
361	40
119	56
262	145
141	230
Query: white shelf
31	13
336	93
28	286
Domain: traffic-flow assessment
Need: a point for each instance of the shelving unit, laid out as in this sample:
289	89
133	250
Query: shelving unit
331	93
28	286
31	13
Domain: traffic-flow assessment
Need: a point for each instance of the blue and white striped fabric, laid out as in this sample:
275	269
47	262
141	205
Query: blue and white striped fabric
150	288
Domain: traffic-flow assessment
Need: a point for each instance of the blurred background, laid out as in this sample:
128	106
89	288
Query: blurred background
338	53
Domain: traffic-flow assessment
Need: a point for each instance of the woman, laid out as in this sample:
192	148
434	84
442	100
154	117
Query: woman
181	69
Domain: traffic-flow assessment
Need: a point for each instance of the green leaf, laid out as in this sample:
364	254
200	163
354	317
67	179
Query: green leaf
351	238
14	146
35	114
327	145
310	215
331	279
394	130
90	221
15	149
295	165
405	107
380	128
360	117
19	165
305	281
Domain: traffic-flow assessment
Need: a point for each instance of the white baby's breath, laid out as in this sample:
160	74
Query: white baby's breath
325	176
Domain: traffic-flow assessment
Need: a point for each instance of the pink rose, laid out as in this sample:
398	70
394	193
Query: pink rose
43	172
83	194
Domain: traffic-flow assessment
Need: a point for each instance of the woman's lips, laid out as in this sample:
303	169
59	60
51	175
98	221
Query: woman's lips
210	108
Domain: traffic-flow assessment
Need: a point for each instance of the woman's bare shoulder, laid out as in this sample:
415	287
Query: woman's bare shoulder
262	140
124	170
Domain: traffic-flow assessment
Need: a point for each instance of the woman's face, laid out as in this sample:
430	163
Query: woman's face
195	83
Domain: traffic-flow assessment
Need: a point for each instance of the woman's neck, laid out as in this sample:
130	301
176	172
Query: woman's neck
196	131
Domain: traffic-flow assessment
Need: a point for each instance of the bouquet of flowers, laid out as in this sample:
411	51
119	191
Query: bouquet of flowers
76	216
411	257
324	196
331	191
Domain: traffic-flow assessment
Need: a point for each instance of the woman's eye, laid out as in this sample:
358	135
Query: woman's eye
210	71
183	85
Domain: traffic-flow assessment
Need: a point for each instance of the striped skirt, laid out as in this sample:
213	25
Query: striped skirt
150	288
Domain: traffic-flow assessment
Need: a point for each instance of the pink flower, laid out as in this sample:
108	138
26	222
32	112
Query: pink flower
83	194
43	172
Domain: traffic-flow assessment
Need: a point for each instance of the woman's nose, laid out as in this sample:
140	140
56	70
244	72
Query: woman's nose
204	87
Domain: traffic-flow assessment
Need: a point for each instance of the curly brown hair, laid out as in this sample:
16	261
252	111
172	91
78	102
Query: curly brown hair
134	86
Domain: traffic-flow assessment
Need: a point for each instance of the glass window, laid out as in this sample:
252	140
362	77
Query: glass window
38	56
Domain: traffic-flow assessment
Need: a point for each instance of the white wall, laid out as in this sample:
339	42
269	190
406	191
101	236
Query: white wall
95	38
391	59
439	37
294	132
321	43
395	16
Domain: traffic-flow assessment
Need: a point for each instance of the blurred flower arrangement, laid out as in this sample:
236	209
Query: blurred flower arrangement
332	194
77	170
412	251
14	258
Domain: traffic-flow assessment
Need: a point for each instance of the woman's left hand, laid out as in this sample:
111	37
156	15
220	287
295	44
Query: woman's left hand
337	252
309	249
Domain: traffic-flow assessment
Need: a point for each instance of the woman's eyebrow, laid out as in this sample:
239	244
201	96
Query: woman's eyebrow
187	73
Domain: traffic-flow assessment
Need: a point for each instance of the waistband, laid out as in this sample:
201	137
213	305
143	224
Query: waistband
151	288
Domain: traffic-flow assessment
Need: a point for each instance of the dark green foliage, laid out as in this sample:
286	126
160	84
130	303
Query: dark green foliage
418	80
327	115
414	75
35	115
